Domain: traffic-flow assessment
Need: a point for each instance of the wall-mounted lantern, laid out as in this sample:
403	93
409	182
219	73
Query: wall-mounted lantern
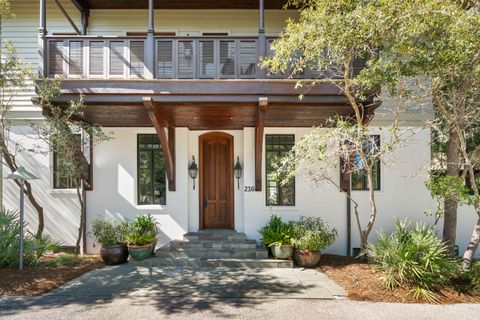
193	171
237	171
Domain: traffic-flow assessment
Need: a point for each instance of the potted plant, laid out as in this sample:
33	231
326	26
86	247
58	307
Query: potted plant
277	235
147	223
111	236
140	243
310	236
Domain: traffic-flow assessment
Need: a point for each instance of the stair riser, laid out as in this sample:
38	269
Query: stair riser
207	245
214	254
214	238
198	263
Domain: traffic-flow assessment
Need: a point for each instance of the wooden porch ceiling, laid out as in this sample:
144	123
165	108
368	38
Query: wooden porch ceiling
206	104
182	4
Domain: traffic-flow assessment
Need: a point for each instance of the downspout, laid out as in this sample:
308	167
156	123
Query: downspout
349	221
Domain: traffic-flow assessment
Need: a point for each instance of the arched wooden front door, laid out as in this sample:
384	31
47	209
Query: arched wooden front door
216	181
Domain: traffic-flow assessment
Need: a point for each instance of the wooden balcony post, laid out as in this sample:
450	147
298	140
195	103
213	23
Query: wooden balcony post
259	130
42	41
262	41
150	44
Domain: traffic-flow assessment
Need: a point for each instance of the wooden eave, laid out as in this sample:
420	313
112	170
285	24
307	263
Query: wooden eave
183	4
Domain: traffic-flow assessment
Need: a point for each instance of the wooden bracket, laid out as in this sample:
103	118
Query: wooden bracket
67	16
161	121
259	130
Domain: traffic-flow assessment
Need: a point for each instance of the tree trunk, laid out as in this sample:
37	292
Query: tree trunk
472	246
450	203
81	249
12	165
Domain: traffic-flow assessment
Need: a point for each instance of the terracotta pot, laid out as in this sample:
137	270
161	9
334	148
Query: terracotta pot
306	258
284	251
140	252
114	254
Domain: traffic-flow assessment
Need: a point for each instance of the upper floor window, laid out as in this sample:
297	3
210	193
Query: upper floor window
359	178
277	146
150	171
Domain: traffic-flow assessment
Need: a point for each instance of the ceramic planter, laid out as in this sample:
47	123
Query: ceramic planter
114	254
306	258
140	252
283	251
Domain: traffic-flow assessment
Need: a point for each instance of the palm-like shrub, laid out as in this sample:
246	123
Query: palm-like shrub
140	238
109	232
312	233
276	232
413	257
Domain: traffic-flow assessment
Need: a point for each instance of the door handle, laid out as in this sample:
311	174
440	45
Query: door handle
205	202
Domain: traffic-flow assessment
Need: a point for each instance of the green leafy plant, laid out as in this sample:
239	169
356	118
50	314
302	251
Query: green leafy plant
140	238
39	245
109	232
276	232
413	257
145	223
312	233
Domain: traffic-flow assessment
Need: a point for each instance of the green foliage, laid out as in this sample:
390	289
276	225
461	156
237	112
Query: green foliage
312	233
276	232
109	232
140	238
145	223
413	257
34	247
64	260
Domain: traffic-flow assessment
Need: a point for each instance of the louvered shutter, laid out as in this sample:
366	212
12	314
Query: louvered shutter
206	63
75	58
97	58
164	59
117	59
137	58
227	59
185	60
248	58
55	58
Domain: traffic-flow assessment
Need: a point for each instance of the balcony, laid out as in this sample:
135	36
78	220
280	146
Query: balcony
93	57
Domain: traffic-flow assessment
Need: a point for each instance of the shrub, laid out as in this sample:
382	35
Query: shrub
312	233
109	232
413	257
140	238
39	245
276	232
145	223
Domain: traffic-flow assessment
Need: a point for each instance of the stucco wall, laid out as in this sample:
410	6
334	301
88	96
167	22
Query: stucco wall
402	194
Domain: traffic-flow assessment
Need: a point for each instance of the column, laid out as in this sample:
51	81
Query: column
262	41
150	44
42	42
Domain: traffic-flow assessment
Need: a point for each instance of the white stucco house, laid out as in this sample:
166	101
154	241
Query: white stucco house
178	82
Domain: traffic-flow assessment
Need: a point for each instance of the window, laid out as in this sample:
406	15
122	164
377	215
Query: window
276	146
61	177
150	170
359	178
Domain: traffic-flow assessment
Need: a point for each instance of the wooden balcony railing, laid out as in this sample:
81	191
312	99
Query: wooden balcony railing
92	57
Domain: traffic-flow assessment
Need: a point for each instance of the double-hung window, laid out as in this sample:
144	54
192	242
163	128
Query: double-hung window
62	174
277	194
150	170
359	177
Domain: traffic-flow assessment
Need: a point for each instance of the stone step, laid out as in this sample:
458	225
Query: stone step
210	244
213	263
214	235
213	253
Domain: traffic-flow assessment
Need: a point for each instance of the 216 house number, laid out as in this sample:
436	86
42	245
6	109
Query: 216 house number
249	189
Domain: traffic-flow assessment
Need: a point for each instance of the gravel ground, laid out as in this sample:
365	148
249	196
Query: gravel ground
57	307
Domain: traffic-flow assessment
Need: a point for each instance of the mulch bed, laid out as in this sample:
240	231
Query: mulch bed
44	278
362	282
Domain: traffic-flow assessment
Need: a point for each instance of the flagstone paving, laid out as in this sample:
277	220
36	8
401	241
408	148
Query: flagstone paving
141	281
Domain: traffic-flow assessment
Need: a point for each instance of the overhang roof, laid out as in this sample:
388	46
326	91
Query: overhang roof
182	4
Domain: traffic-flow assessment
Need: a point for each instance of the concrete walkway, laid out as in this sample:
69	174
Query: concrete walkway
138	281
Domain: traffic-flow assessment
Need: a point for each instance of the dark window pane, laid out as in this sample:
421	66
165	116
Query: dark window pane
151	171
276	147
359	179
62	177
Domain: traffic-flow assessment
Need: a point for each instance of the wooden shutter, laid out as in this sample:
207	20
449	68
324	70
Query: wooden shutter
227	59
185	60
117	59
165	59
75	58
137	58
206	62
97	58
248	58
55	58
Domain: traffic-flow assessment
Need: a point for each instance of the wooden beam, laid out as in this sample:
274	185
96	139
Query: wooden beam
259	130
65	14
159	124
81	5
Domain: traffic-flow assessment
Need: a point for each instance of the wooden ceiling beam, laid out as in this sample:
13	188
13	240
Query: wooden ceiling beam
168	147
259	131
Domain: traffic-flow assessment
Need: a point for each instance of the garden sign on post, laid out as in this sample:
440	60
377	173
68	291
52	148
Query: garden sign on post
21	175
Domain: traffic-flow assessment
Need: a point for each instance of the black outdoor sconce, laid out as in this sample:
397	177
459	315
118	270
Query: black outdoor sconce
193	171
237	171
